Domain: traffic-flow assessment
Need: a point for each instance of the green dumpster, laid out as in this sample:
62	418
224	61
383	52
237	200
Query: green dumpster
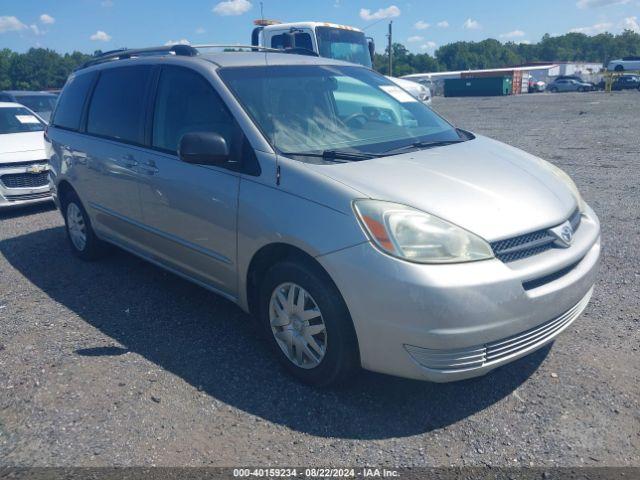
477	87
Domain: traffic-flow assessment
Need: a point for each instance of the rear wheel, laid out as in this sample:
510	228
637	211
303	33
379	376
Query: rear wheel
308	325
619	68
82	239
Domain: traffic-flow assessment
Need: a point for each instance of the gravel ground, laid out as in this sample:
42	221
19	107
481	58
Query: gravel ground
120	363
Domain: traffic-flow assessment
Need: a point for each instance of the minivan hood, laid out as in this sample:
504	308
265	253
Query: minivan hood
482	185
21	147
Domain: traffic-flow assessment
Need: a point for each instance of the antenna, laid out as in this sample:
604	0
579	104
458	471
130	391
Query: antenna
262	10
390	36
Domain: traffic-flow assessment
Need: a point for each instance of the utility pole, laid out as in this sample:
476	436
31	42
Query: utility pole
390	37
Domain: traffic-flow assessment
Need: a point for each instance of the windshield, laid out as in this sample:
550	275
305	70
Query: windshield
313	108
18	120
38	103
347	45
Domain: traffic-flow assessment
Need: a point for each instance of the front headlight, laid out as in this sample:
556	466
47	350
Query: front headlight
414	235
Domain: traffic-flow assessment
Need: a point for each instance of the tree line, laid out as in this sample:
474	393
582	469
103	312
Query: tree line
491	53
40	69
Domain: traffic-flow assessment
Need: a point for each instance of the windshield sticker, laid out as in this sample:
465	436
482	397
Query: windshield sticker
27	119
397	93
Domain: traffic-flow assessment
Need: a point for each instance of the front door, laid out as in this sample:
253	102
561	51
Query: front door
190	210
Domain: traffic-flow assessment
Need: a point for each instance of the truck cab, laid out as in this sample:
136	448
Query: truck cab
340	42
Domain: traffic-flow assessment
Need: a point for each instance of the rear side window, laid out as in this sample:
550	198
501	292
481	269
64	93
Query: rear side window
118	104
302	40
69	110
185	103
278	41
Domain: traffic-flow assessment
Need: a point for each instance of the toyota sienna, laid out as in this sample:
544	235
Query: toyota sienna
360	228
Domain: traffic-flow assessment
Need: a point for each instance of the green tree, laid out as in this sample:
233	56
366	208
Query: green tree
491	53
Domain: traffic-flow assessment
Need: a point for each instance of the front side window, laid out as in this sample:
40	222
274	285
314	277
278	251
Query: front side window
312	108
348	45
18	120
117	107
186	102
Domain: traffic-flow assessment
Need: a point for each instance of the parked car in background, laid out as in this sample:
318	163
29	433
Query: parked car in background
418	90
42	103
23	163
536	85
358	226
624	63
577	78
626	82
569	85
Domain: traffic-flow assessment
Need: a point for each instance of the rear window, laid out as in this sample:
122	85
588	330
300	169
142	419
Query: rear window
18	120
117	107
69	109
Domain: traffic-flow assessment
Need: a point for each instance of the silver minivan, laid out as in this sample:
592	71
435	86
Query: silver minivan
359	227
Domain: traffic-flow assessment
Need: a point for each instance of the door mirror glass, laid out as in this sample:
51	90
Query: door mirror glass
203	148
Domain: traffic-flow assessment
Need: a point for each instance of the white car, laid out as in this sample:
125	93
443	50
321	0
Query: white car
24	169
625	63
416	89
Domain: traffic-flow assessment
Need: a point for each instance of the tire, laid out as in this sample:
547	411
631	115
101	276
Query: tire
82	239
581	89
334	357
553	90
619	68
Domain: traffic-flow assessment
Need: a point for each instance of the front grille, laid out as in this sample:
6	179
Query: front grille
529	244
25	180
538	282
491	353
27	196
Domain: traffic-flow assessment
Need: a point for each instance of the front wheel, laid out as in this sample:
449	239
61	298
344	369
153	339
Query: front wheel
308	325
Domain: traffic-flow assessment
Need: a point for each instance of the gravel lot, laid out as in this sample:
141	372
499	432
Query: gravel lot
120	363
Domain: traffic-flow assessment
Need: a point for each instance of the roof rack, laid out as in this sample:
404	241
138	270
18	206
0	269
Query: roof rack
254	48
179	49
258	48
182	50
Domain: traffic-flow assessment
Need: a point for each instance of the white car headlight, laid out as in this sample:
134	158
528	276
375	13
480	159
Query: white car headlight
413	235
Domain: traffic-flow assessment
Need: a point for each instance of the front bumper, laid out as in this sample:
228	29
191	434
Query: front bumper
449	322
23	194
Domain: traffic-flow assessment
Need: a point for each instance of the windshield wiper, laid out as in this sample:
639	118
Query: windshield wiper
336	155
421	145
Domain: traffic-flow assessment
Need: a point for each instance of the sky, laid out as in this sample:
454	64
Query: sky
421	25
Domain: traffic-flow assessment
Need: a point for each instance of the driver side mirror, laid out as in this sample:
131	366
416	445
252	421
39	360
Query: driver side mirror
203	148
